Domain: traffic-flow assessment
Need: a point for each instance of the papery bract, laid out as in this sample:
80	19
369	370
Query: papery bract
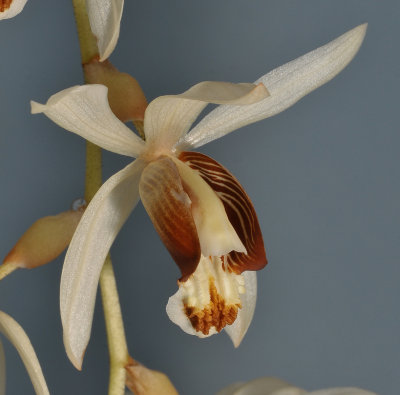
44	240
143	381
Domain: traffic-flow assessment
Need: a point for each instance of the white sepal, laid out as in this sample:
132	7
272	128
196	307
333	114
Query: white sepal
15	8
99	226
105	19
19	339
238	329
287	84
168	118
342	391
84	110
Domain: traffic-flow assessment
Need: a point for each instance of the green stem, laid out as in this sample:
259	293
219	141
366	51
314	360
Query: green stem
87	41
117	345
119	355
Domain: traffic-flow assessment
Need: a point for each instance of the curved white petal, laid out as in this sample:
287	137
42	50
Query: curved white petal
263	386
2	370
105	18
238	329
84	110
168	118
342	391
286	84
10	8
17	336
92	240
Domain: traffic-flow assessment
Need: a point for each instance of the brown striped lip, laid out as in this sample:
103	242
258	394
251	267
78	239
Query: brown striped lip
239	210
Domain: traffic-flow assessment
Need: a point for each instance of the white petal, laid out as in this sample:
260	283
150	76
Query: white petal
342	391
13	9
238	329
286	84
2	370
105	18
168	118
84	110
263	386
96	231
17	336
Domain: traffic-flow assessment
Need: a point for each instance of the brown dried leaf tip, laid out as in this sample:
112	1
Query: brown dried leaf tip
44	240
143	381
125	96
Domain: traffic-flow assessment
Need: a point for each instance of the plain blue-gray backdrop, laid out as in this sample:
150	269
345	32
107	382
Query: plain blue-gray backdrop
323	176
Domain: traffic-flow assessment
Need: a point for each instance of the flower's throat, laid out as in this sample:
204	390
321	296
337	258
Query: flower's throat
212	298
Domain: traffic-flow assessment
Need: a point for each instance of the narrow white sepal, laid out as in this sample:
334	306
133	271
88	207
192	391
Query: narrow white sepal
238	329
342	391
105	19
84	110
19	339
286	84
15	8
100	224
2	370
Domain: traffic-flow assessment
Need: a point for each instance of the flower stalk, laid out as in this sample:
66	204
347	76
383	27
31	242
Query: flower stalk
118	350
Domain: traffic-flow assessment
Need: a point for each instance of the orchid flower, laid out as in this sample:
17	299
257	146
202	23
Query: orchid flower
104	17
199	209
274	386
17	336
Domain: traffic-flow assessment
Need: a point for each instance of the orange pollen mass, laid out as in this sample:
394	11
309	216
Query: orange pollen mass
216	314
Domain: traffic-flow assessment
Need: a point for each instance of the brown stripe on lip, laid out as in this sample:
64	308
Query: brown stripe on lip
217	314
239	210
169	208
5	5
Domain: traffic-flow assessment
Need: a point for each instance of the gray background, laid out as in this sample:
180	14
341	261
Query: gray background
323	177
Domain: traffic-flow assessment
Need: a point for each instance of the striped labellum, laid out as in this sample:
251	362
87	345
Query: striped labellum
239	209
